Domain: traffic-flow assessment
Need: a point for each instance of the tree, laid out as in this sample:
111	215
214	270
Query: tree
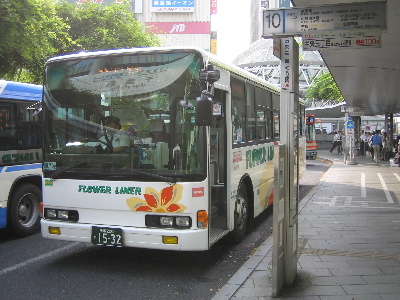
97	27
32	31
324	89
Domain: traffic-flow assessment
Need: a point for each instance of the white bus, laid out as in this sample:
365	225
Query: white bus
187	159
21	157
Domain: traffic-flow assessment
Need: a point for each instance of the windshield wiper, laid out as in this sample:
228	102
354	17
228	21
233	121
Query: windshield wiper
136	171
160	177
62	171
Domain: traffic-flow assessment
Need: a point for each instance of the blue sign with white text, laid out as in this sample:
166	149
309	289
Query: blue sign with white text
350	125
173	5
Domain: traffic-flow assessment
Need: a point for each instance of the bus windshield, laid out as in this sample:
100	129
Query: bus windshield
310	128
125	116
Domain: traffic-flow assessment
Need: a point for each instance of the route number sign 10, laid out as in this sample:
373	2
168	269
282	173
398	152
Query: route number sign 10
273	22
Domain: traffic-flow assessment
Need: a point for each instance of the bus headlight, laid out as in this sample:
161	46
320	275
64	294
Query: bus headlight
51	213
182	221
61	214
166	221
178	222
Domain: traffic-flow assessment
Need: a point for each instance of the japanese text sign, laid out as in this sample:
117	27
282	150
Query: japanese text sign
341	39
172	5
324	18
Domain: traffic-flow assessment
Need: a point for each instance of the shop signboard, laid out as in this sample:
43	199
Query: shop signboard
342	39
176	6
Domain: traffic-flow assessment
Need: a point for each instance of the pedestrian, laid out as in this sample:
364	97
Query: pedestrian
368	148
335	141
376	142
384	145
363	142
339	143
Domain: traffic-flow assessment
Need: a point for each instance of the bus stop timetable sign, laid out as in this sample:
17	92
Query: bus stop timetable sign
324	18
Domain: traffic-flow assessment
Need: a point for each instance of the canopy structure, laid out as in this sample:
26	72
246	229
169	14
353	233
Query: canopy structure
259	59
368	78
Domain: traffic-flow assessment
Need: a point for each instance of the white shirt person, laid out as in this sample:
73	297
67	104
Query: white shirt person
114	139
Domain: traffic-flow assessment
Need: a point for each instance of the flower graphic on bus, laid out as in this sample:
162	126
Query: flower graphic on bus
165	201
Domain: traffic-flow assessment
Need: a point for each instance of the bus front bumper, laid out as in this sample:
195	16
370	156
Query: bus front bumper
151	238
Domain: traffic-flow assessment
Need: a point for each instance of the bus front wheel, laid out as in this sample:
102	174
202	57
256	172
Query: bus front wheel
25	210
241	215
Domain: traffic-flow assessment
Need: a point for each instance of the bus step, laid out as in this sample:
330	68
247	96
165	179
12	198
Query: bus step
216	234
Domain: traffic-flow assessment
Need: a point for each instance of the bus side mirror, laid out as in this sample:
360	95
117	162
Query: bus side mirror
209	75
204	110
204	107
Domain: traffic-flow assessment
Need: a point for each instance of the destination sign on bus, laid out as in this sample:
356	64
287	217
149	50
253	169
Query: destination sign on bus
322	18
310	119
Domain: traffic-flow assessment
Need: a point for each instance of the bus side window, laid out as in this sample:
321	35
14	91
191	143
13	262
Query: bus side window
29	136
238	112
8	138
275	109
264	116
250	113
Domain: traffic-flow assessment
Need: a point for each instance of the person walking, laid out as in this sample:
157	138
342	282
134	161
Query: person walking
336	139
339	142
368	148
376	142
363	142
384	148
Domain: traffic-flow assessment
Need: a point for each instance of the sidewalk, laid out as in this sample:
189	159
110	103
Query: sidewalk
349	232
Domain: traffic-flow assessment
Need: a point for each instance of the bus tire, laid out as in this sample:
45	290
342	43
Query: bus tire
241	215
25	210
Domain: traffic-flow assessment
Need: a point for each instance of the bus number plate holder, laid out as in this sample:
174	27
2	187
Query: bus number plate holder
107	236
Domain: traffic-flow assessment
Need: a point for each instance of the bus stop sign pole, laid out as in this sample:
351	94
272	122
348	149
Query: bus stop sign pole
286	201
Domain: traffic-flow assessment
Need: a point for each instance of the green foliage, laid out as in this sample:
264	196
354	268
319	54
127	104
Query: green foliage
324	88
32	31
96	27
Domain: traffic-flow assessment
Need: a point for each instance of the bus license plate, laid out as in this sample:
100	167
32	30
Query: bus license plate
107	236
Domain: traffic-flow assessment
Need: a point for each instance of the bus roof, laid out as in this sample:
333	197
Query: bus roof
20	91
207	55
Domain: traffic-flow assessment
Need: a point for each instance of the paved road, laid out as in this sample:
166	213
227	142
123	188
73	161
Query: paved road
37	268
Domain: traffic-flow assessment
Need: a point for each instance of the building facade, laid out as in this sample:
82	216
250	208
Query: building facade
178	23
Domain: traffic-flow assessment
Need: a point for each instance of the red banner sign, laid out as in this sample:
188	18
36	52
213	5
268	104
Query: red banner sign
179	27
213	7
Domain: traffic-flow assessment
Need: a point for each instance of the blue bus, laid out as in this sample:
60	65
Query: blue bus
21	157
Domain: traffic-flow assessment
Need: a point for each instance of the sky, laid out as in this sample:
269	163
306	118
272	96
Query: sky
233	28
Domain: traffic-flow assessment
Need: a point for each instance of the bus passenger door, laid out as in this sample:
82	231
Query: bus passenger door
217	169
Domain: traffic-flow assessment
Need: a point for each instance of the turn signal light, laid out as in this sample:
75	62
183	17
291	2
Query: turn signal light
54	230
170	240
202	219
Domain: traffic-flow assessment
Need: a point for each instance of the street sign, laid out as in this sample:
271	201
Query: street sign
277	46
342	39
353	111
324	18
350	124
289	70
